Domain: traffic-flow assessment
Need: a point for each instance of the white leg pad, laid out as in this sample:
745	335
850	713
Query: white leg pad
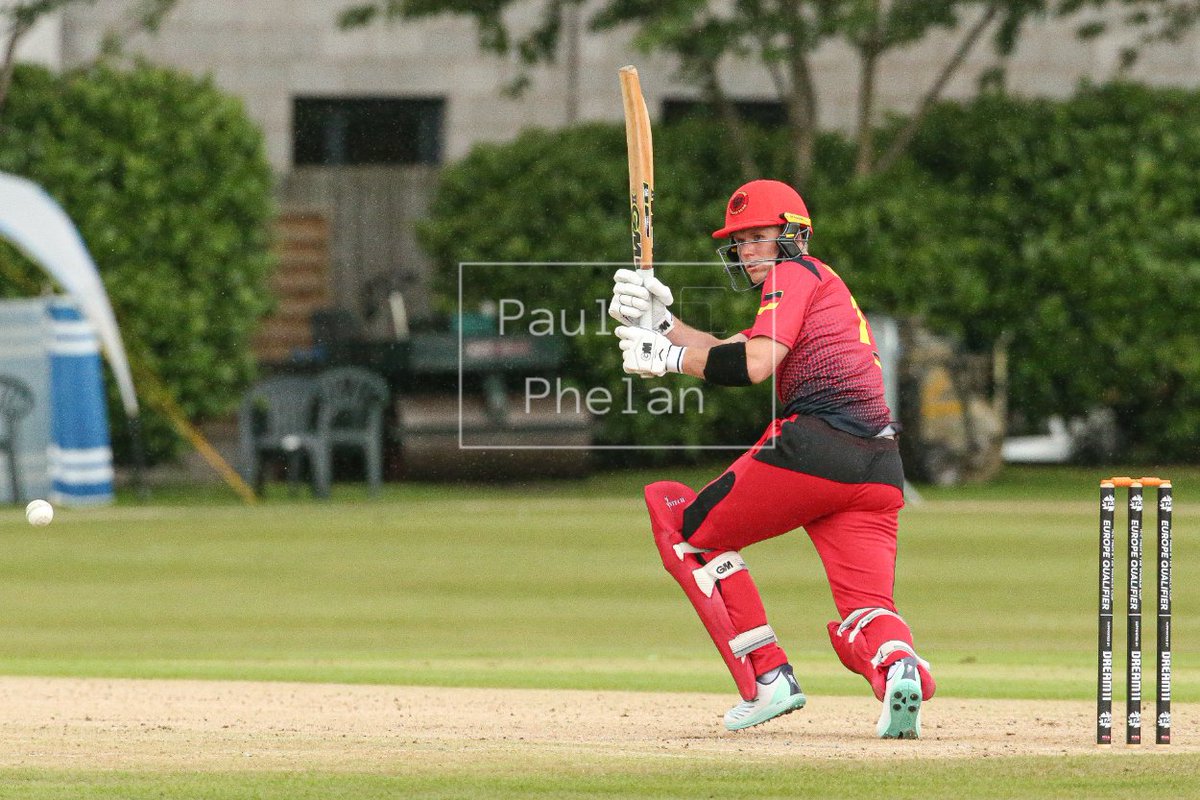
747	642
720	567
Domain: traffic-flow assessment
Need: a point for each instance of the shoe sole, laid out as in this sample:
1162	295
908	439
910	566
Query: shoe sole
794	702
901	717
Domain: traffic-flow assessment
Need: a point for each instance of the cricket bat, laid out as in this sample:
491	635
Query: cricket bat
640	148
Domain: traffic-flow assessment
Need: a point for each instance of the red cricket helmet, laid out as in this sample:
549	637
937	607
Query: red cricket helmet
763	204
760	204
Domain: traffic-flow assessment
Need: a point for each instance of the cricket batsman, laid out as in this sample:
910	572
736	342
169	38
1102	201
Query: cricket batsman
829	463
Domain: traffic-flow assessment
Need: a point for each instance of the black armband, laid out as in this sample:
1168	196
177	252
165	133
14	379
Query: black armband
726	365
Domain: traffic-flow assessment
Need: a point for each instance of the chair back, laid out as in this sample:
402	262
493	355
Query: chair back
278	406
352	399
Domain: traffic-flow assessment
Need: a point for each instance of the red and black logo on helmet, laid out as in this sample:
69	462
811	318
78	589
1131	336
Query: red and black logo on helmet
737	203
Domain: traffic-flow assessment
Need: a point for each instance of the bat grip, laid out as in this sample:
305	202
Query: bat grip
647	320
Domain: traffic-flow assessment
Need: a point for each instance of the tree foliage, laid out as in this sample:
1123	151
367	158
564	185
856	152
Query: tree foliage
167	181
1093	234
1072	227
23	15
1152	21
782	36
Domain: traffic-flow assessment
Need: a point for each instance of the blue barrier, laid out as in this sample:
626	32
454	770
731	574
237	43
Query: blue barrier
80	457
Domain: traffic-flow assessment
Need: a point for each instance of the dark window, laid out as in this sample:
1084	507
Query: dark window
367	130
767	113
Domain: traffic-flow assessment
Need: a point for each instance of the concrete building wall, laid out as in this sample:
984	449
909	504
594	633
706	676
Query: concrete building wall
272	50
43	44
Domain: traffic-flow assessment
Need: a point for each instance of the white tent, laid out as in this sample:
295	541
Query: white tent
30	219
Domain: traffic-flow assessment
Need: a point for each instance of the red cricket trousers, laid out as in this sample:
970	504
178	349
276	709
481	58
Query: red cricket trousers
844	490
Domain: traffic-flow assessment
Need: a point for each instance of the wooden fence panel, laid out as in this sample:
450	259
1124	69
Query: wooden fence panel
372	212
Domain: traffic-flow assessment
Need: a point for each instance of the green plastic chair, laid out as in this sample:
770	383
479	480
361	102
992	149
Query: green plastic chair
278	419
350	415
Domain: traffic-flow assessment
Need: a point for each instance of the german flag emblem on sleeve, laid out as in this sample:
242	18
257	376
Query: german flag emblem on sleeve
770	300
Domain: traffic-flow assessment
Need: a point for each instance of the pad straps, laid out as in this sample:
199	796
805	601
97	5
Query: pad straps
888	648
720	567
747	642
860	618
706	578
683	547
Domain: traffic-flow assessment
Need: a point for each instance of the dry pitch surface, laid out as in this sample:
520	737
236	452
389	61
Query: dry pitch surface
69	723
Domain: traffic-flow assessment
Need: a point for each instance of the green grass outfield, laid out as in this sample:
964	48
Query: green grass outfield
559	585
1007	778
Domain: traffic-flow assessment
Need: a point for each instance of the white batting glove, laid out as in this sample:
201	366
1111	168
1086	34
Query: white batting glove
634	294
647	353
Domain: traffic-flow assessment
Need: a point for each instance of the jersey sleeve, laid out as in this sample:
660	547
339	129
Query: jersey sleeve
786	296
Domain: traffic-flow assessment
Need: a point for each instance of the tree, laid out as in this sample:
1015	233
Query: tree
779	34
24	15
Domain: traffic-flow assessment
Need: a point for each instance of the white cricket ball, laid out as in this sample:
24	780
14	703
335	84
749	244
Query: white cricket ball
39	513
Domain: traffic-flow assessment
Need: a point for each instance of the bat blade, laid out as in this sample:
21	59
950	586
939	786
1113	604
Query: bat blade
640	147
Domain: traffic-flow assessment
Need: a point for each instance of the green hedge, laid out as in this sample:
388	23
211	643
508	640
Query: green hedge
166	178
1073	226
1089	214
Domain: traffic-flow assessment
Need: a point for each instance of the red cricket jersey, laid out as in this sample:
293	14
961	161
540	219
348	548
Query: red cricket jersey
832	368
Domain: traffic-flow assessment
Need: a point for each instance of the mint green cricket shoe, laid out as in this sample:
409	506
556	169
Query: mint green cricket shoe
778	696
901	716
